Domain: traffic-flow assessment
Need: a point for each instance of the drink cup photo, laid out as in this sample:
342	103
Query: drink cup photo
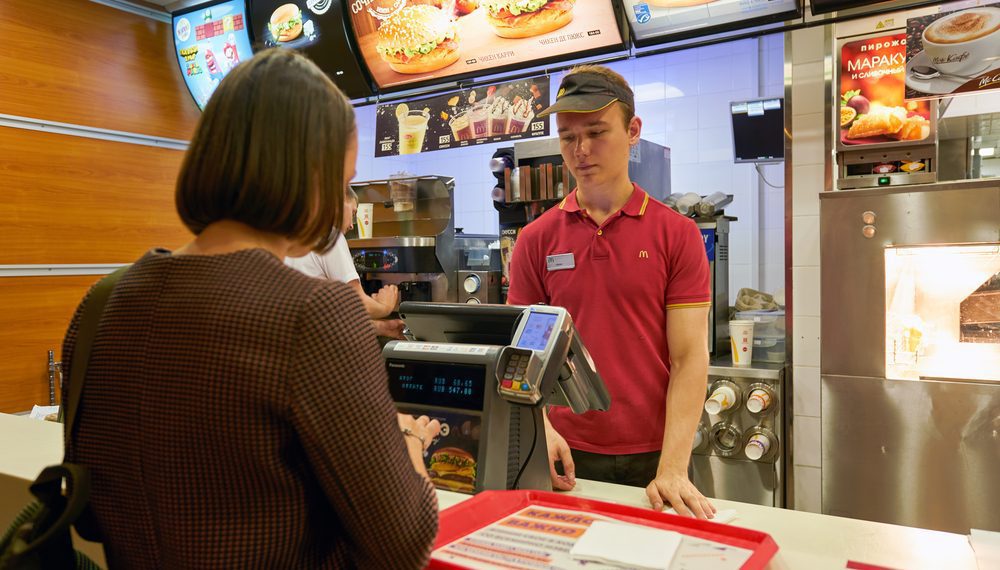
365	213
520	116
461	127
499	116
480	117
412	129
965	42
741	336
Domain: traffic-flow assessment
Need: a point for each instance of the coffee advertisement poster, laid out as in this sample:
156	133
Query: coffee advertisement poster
873	108
496	113
954	52
406	42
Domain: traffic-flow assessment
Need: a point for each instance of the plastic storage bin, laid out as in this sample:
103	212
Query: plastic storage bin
768	349
766	324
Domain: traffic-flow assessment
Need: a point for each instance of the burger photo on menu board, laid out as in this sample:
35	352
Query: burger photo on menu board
418	39
453	469
286	23
527	18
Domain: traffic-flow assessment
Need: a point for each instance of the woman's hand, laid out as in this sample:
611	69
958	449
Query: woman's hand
418	433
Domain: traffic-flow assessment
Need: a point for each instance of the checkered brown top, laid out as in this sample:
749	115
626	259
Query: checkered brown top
236	414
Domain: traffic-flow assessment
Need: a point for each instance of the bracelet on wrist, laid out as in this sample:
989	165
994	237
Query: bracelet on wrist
409	432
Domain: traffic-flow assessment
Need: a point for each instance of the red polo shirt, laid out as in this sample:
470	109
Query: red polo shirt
644	260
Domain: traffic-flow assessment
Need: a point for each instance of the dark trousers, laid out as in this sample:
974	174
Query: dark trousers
635	470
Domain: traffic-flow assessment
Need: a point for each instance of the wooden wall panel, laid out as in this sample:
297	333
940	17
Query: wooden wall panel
34	314
80	62
69	199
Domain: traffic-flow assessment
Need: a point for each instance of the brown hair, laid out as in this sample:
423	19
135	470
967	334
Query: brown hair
269	152
613	77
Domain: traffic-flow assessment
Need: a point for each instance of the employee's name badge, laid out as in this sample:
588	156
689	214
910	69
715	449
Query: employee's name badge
560	262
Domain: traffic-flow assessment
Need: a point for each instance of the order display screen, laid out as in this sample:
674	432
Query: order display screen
537	331
437	384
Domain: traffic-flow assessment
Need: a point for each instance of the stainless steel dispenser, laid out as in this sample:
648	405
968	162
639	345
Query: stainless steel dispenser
412	243
739	449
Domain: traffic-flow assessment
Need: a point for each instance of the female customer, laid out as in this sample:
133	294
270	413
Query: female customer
235	412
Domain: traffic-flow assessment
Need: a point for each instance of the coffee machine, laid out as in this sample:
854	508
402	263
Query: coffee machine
412	241
478	269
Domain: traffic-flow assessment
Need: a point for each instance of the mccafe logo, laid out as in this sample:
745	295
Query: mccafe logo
379	10
953	58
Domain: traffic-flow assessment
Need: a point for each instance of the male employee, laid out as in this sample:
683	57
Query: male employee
634	276
338	265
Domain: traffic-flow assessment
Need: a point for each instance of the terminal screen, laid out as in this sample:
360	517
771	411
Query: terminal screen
537	331
437	384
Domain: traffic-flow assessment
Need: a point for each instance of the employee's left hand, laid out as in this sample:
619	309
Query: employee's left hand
677	491
391	328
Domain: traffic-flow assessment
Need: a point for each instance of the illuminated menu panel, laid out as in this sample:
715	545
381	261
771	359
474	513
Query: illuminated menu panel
210	41
655	21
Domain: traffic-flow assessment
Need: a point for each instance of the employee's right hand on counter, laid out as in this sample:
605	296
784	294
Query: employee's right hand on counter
559	451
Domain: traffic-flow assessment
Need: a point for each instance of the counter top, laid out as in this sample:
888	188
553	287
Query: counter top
805	540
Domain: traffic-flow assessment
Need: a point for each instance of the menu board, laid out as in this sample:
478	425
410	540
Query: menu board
953	52
210	40
317	29
406	43
872	108
488	114
654	21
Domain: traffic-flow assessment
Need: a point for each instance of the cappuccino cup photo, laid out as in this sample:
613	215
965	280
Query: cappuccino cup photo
965	42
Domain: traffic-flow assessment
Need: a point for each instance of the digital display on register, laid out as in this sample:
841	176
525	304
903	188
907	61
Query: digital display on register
437	384
537	331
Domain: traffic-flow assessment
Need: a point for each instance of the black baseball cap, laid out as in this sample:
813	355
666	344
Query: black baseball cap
587	92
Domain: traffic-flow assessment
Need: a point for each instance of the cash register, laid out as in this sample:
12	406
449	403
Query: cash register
486	372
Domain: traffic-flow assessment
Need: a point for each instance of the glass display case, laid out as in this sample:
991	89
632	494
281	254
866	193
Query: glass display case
942	312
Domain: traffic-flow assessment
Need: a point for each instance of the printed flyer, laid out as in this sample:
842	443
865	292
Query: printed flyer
541	538
496	113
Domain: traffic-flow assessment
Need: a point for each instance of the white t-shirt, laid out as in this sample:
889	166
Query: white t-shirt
335	265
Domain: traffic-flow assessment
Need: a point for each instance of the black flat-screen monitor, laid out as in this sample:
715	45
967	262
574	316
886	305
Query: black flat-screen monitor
758	130
318	29
411	43
659	21
210	39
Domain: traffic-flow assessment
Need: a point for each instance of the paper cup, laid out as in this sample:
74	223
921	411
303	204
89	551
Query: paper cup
722	399
741	337
365	213
757	446
758	401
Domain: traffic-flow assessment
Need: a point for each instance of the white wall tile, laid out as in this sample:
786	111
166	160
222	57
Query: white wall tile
808	489
684	78
809	146
713	110
808	88
682	151
806	291
808	441
715	144
682	114
772	277
809	182
808	45
805	241
806	390
740	276
806	341
715	75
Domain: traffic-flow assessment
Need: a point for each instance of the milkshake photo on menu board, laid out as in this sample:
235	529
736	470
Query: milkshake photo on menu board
489	114
411	42
953	52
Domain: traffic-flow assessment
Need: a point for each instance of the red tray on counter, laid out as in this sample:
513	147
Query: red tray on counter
490	506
